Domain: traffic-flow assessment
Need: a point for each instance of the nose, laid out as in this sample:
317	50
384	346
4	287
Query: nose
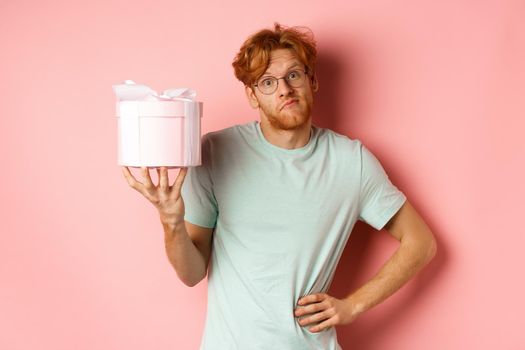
283	87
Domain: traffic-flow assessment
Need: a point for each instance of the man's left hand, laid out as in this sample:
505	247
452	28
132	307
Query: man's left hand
330	311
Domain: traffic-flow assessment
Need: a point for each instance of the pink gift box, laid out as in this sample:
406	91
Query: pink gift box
159	133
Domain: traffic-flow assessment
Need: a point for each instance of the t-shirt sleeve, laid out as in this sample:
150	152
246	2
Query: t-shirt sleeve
200	203
379	198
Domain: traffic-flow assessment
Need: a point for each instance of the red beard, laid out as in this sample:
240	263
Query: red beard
289	118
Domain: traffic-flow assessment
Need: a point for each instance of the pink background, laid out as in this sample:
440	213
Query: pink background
434	89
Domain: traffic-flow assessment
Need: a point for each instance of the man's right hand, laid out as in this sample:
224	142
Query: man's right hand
167	199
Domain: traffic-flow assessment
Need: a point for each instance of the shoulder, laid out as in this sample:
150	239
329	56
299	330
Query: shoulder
227	134
340	142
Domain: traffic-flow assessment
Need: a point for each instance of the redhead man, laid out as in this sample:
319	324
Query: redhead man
268	213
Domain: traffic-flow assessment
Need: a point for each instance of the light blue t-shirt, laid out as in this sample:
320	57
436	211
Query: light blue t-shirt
282	219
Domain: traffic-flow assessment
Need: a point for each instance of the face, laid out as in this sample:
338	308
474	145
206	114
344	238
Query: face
272	107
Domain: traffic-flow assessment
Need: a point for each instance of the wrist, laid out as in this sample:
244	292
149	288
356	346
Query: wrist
172	230
356	306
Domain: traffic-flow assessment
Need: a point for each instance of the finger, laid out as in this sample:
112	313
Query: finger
130	178
163	180
146	177
315	318
178	182
158	175
310	309
312	298
323	325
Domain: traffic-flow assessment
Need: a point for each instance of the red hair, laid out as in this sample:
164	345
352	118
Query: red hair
253	58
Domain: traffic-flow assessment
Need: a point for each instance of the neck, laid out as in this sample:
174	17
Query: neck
287	139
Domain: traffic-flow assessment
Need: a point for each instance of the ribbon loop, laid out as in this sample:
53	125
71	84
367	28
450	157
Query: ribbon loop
131	91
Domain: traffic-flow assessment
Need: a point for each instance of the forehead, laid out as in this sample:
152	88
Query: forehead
281	59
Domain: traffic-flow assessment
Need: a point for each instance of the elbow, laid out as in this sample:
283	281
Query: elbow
188	280
194	282
427	245
424	250
191	284
432	250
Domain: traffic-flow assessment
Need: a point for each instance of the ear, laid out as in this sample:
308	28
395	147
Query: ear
315	83
252	99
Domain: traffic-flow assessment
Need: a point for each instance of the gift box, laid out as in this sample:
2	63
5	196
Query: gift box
157	130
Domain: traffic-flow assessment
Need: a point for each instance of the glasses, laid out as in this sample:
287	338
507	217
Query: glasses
294	78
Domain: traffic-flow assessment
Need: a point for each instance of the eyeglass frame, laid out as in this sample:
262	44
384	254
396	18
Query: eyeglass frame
305	71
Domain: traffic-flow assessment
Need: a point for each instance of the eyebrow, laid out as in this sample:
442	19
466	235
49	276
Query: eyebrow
293	65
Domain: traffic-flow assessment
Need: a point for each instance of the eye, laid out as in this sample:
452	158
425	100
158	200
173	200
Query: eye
293	75
267	82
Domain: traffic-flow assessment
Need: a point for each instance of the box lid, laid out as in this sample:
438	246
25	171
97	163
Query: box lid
176	108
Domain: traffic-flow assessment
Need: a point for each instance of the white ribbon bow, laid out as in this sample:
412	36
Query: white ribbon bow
130	91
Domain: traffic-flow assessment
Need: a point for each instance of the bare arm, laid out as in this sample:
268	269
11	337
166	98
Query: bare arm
187	246
188	249
417	248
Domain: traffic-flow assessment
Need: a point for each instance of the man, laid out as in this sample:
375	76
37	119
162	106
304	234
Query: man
267	215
